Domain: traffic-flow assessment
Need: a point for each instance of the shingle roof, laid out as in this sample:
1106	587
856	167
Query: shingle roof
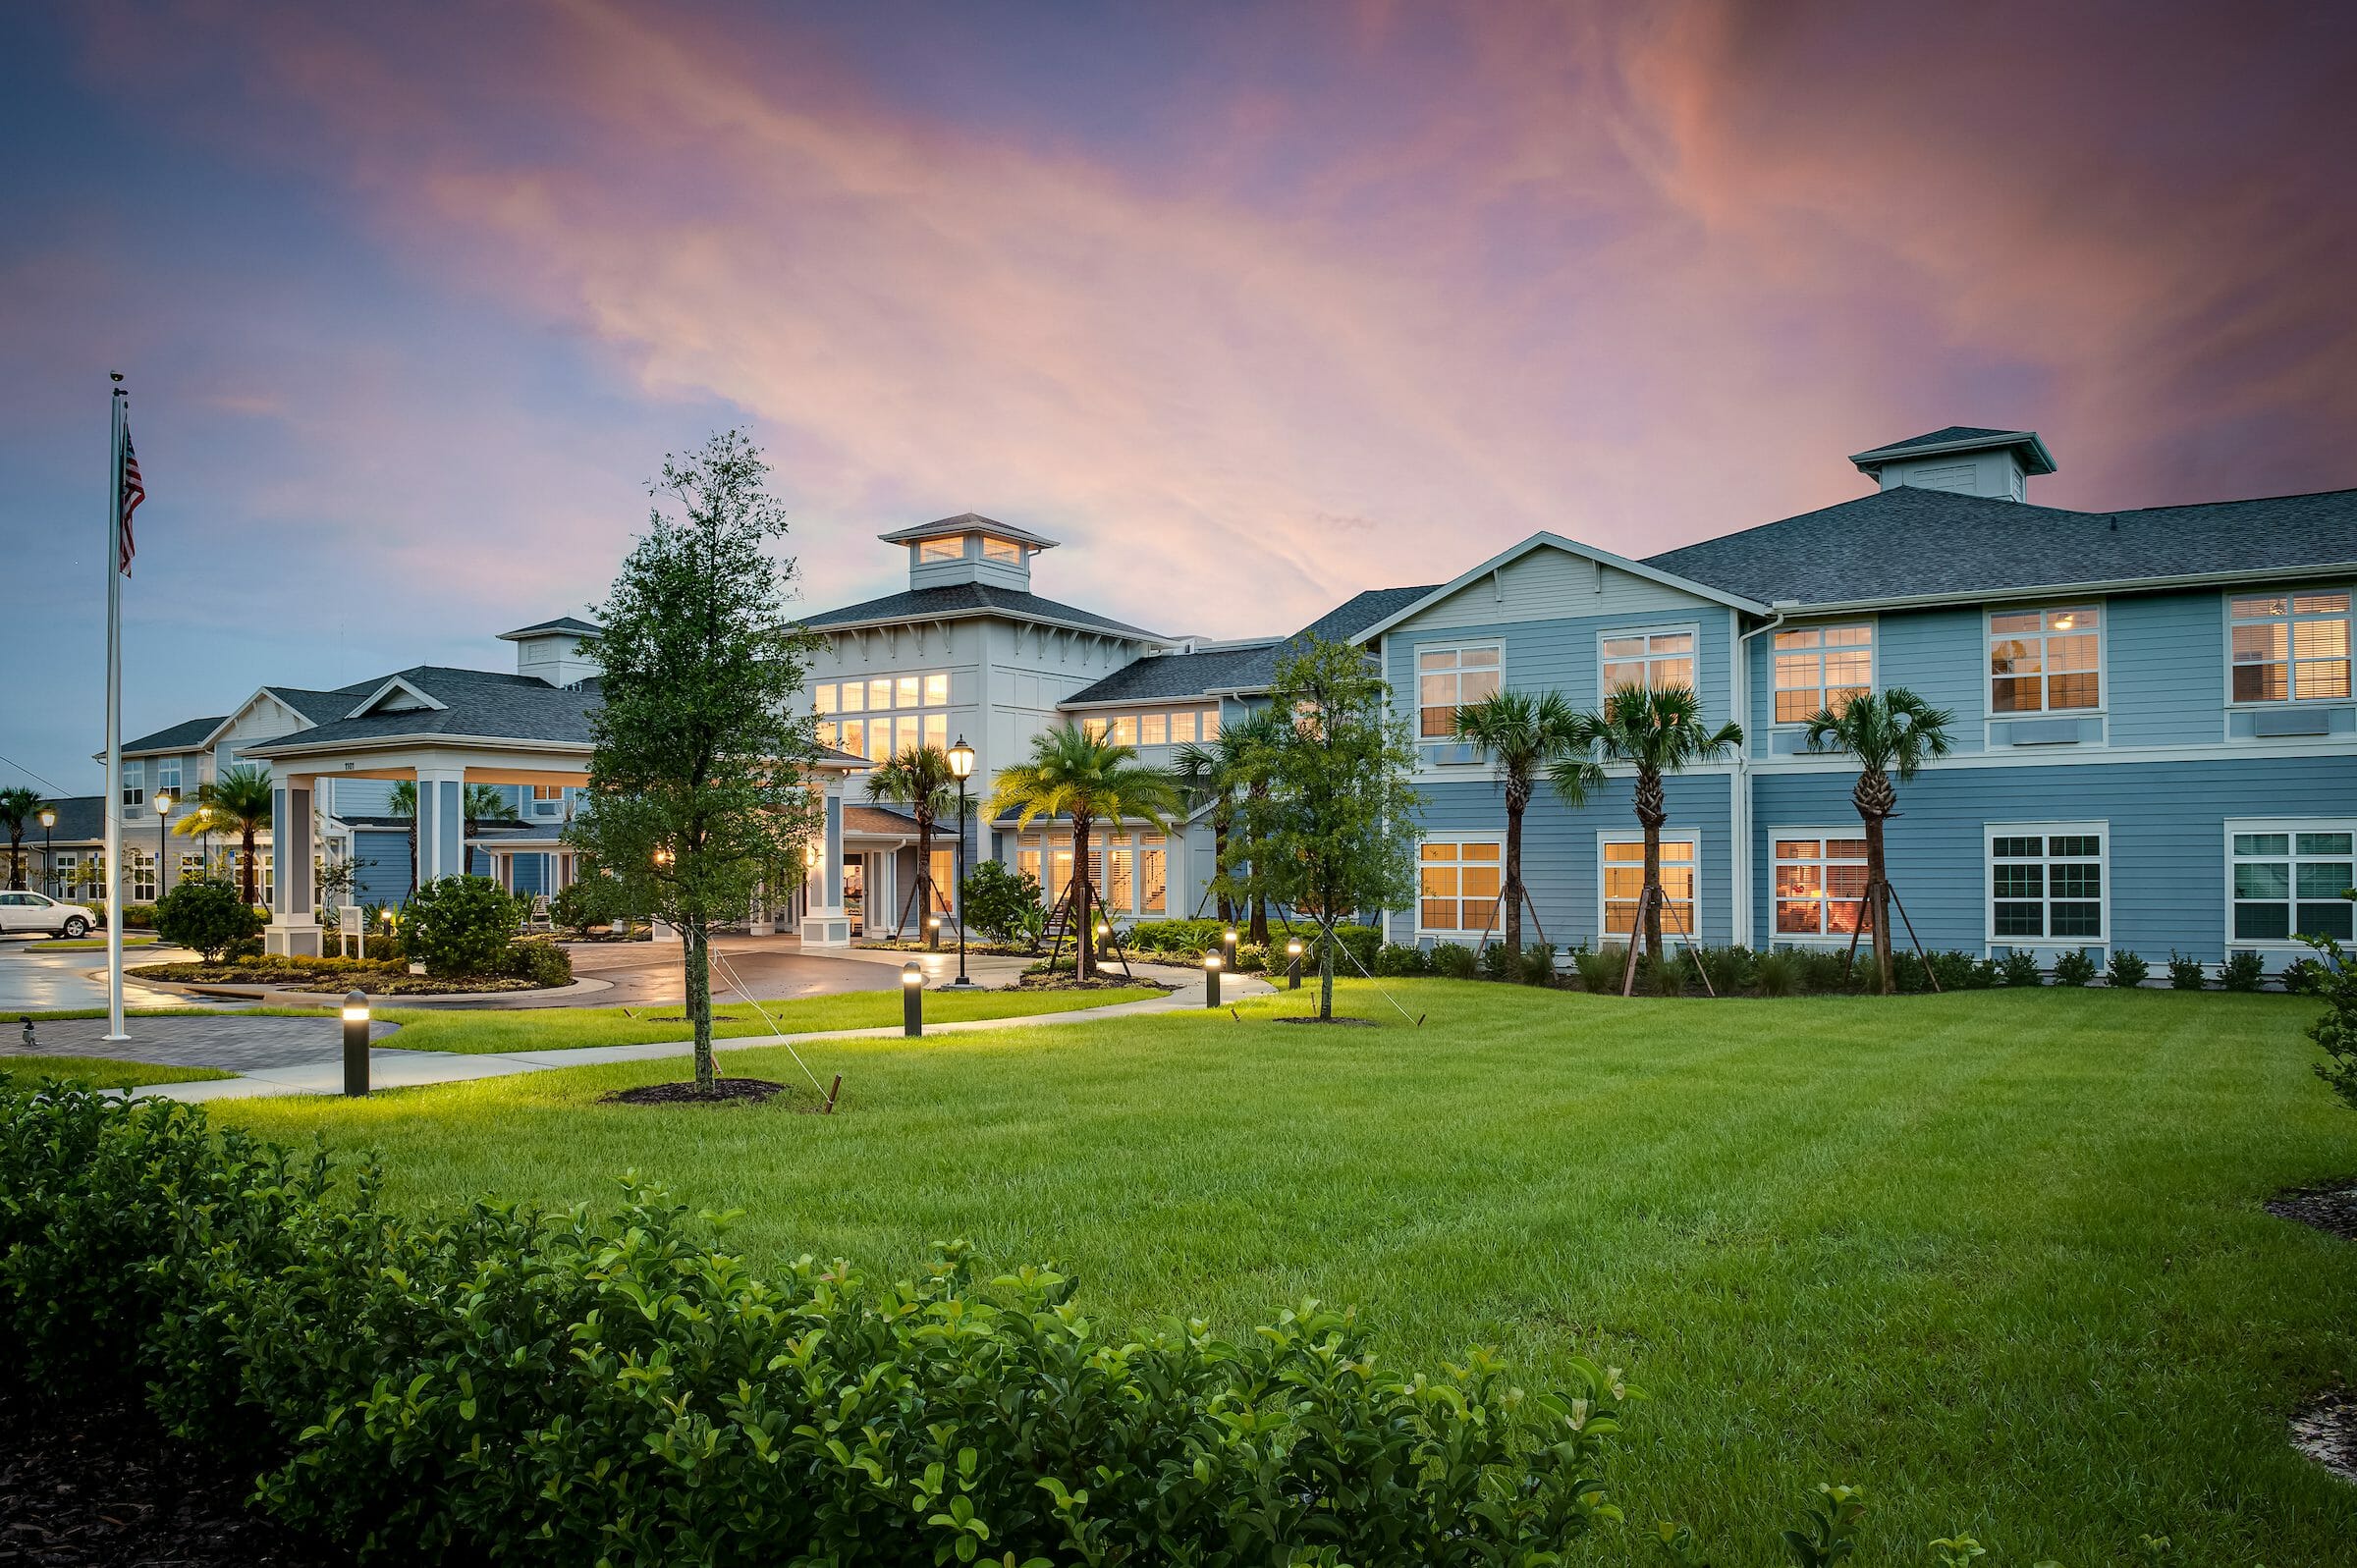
966	522
321	707
966	599
1942	437
79	820
1960	438
174	737
881	822
1171	675
1909	543
478	703
571	623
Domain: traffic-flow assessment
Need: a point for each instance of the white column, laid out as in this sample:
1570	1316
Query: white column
441	823
293	926
824	922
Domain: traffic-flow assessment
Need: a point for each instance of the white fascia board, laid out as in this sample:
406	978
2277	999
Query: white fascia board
296	747
935	616
2059	590
1555	541
397	683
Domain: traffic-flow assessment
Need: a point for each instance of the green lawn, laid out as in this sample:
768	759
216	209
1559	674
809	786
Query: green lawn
1999	1257
85	944
473	1031
103	1072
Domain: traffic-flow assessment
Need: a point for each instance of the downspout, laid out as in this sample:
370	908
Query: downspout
1739	809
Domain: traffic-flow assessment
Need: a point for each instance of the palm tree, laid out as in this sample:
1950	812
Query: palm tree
1238	761
483	803
1208	771
17	805
1071	774
1522	732
402	804
919	779
1894	732
1656	729
238	802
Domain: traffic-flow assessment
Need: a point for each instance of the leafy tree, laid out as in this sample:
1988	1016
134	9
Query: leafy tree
1231	768
17	807
1335	831
1656	731
205	914
402	805
481	803
237	802
1002	903
1073	773
1524	734
460	926
919	779
2335	1032
1890	733
584	902
695	783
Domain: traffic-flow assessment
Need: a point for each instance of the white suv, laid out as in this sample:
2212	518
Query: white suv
37	911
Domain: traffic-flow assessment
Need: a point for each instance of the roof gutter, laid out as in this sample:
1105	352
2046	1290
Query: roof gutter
2049	590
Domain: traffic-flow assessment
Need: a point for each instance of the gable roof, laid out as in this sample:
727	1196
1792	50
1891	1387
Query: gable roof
1910	544
1555	541
475	704
563	623
188	735
960	600
966	522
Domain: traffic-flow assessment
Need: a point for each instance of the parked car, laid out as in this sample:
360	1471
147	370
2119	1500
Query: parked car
37	911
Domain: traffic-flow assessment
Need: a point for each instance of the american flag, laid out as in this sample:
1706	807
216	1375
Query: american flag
134	492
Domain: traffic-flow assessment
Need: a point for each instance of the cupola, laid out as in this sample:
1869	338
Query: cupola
552	650
1962	459
969	548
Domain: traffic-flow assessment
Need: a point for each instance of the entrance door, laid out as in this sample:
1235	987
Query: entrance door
855	893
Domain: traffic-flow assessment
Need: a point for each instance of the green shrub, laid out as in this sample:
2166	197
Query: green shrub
1958	971
1987	975
1729	969
1536	965
206	915
1359	944
529	1388
135	916
1829	971
2127	970
1251	958
584	902
1401	960
1001	902
540	962
2020	966
1600	970
1184	938
2303	977
2073	967
460	926
1779	972
2187	974
2336	1031
1496	962
1454	961
2242	971
1665	977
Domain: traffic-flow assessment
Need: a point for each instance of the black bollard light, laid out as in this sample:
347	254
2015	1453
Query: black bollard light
1211	980
355	1043
933	933
912	999
1227	946
1292	963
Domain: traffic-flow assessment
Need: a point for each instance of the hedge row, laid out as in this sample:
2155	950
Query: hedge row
563	1388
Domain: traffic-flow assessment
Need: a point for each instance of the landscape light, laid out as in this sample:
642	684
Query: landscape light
1211	980
912	999
355	1043
1292	966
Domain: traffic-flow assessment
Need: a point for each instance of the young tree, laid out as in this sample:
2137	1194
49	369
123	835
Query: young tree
1073	773
1894	732
238	803
1335	831
1656	731
1206	771
17	807
1235	767
1524	734
695	782
919	779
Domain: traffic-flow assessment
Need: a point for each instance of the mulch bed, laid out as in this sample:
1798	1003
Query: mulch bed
98	1484
1065	982
725	1091
2331	1209
1346	1023
2325	1430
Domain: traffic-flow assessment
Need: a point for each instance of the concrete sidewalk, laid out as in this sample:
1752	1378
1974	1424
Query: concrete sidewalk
400	1070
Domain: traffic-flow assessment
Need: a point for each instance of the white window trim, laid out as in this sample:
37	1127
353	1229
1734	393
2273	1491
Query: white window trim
2225	605
1451	933
2235	825
2043	829
1424	743
1781	939
1670	628
2103	662
1671	936
1873	660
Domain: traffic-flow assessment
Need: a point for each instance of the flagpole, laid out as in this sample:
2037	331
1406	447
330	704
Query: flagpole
113	717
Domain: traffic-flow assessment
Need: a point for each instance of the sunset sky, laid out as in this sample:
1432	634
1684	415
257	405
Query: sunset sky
1251	306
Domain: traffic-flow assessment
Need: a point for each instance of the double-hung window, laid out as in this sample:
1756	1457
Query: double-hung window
1820	881
2288	880
135	783
2046	884
1449	678
1459	881
2291	647
1623	885
1821	667
1651	659
2046	660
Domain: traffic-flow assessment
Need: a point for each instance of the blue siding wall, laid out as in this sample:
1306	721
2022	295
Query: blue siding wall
1940	656
2166	659
1562	655
384	865
2167	837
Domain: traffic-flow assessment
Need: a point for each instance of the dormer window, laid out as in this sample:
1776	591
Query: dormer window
1005	550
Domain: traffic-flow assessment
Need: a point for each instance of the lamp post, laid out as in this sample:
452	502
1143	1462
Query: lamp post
163	810
912	999
1293	965
355	1043
1211	980
48	855
962	765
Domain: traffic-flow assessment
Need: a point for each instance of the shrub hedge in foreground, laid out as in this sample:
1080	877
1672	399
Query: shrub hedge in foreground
570	1388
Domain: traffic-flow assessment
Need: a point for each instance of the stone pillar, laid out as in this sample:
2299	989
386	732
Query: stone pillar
825	924
294	927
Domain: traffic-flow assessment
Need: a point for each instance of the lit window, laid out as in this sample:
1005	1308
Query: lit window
2290	883
937	731
2042	660
1153	874
1459	883
1624	886
1153	730
1121	883
928	550
2047	887
879	695
1182	728
822	698
547	799
2291	647
1123	731
1819	885
937	689
945	879
908	692
1093	727
1210	725
1449	678
1658	660
1005	550
1819	668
